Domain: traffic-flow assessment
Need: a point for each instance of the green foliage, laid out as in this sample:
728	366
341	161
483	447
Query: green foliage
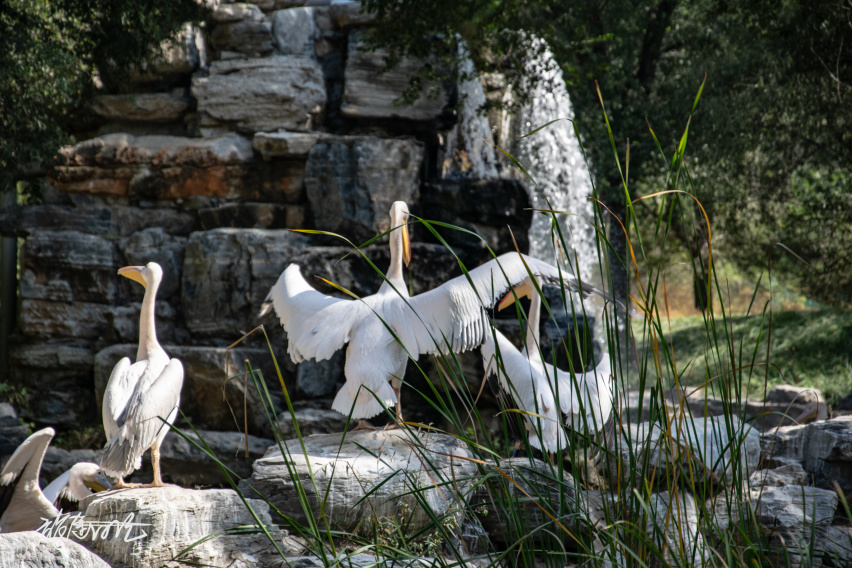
50	52
775	111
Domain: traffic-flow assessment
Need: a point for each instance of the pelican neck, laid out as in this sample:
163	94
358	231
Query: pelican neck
148	344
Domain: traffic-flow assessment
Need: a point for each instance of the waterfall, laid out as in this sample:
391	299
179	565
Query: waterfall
553	158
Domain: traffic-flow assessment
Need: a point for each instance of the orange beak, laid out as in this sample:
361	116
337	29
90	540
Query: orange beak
521	290
134	273
406	245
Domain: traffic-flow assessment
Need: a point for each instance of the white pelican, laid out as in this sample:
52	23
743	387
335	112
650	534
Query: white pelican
82	480
138	395
23	505
450	317
536	386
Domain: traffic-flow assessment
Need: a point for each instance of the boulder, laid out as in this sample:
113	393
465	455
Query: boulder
520	488
34	550
144	107
365	477
68	267
321	378
294	31
788	474
245	37
349	14
717	450
208	398
351	182
284	144
155	245
785	405
12	432
263	94
372	92
168	520
228	273
673	526
253	216
154	167
176	59
318	419
824	449
184	464
237	12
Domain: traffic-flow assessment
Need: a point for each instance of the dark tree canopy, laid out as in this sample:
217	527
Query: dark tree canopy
50	51
770	144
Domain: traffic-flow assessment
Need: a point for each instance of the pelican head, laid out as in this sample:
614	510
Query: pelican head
146	275
399	218
90	476
523	290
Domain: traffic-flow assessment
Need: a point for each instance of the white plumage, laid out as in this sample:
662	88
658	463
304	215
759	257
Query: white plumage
138	395
23	505
451	317
540	389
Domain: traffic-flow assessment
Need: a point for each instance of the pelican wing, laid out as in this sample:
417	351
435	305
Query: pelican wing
317	325
22	504
454	314
525	385
140	422
55	490
120	387
586	397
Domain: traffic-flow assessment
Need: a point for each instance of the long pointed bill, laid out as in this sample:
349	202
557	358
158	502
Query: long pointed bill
134	273
522	290
507	300
406	245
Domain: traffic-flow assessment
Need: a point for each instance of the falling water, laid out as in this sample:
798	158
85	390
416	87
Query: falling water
553	158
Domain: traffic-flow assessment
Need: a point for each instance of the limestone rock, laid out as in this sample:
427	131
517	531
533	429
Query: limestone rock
785	405
34	550
173	518
176	59
154	167
316	420
673	526
247	37
351	182
387	464
535	478
205	373
707	442
12	432
787	474
228	273
370	93
294	31
155	245
184	464
321	378
263	94
253	216
794	516
68	266
237	12
349	14
284	144
146	107
824	449
47	320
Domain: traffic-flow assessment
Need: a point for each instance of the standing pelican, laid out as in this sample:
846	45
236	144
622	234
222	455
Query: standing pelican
536	386
139	395
23	505
385	329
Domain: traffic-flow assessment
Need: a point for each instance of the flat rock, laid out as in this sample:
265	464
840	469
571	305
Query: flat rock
673	526
170	519
284	144
349	14
824	449
146	107
311	421
387	465
371	93
33	550
247	37
294	31
263	94
705	442
173	61
228	273
237	12
351	182
205	398
253	216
